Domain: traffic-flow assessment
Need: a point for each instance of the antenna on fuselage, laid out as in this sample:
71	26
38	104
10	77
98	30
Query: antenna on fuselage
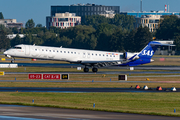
61	47
33	44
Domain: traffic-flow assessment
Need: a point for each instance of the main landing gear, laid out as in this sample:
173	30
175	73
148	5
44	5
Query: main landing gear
86	69
94	69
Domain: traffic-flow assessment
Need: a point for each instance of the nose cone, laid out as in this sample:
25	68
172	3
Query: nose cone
5	53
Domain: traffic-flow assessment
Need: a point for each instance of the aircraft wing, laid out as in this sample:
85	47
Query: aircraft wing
104	63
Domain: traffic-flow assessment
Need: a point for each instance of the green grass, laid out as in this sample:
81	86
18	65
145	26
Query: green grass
143	103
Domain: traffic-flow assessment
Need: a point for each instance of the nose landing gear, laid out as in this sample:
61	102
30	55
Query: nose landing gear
13	59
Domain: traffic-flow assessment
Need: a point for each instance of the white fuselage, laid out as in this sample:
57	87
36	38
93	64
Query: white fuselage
62	54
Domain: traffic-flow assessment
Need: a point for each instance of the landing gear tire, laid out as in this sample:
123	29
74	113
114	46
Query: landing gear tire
86	69
94	69
12	61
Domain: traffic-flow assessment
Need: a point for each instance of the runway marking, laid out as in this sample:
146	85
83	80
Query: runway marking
18	118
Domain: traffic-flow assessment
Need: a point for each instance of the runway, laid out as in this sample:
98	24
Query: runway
142	67
111	72
17	112
79	90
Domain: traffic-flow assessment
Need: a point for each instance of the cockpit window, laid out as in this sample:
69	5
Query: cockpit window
17	48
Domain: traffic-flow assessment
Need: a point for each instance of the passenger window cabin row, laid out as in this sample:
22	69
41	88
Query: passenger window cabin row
78	53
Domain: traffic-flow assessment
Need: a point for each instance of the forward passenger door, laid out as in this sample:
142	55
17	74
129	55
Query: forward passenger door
27	51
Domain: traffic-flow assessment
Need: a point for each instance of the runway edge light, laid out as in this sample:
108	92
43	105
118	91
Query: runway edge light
94	105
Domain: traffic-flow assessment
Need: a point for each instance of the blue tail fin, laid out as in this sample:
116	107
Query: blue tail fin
150	49
145	55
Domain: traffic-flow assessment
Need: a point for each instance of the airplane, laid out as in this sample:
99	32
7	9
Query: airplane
88	58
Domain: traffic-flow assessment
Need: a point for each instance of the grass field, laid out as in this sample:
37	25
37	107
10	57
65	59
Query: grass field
143	103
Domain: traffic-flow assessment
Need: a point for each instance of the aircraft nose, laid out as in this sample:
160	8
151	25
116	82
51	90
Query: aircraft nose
5	52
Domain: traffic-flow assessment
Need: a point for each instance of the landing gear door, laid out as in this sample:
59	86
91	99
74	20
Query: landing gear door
27	51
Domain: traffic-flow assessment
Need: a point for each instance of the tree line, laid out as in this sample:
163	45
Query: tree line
96	33
170	29
106	37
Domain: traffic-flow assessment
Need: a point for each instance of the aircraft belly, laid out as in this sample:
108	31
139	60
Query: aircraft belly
51	55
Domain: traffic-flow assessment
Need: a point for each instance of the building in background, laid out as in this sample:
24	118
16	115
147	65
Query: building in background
151	21
152	12
139	14
85	9
109	14
12	36
63	20
9	23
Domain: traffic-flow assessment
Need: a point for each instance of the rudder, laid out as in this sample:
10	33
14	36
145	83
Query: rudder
149	50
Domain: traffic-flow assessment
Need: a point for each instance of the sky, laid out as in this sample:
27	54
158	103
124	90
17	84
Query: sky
23	10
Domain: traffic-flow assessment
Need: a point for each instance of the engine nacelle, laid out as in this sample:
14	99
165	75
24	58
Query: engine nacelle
128	55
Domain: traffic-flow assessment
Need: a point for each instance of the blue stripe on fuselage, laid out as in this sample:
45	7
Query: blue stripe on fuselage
136	62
